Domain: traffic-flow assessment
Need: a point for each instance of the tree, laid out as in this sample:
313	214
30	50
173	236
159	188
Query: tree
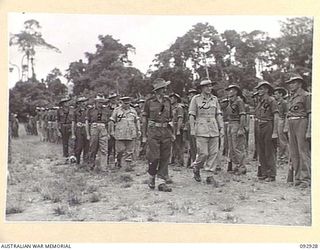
27	41
54	83
108	70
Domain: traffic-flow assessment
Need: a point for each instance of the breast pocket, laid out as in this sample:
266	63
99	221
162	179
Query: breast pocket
201	128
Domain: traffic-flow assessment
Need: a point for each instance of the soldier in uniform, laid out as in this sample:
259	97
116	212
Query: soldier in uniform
192	147
299	125
279	94
98	118
236	116
114	103
223	105
207	125
15	126
267	114
177	119
157	132
45	123
125	129
64	120
141	147
80	130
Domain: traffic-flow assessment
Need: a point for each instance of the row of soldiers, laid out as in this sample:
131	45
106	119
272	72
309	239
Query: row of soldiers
216	126
108	127
162	125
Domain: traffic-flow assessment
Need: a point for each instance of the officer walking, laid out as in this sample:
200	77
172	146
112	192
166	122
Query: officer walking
207	125
267	114
236	116
299	125
156	130
125	129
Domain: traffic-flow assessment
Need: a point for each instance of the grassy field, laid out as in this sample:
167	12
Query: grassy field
42	188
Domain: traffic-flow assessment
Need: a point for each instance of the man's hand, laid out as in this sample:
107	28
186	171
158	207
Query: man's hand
173	138
88	137
144	139
274	135
192	132
221	132
139	134
73	136
240	132
308	134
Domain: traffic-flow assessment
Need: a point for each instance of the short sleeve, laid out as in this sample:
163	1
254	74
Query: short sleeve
146	109
274	106
308	104
193	106
180	112
114	115
242	108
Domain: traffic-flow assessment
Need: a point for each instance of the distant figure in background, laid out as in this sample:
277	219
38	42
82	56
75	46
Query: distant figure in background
15	126
279	94
114	103
192	147
126	128
177	120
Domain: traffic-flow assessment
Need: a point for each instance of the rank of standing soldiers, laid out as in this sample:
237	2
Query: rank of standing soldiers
117	131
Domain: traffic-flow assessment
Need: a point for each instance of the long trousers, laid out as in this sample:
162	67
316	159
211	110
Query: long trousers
236	143
299	149
177	149
283	141
158	151
265	149
207	151
82	144
65	134
98	142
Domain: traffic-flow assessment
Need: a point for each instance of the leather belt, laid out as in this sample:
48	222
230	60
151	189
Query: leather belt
158	124
296	117
262	121
80	124
98	124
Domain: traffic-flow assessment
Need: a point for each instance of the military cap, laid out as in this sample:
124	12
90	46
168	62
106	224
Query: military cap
159	83
255	93
126	99
176	95
283	91
100	98
112	95
141	100
224	100
294	77
64	99
205	82
234	86
297	77
268	85
192	91
82	99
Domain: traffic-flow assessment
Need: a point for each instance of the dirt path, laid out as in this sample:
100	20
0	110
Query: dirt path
42	188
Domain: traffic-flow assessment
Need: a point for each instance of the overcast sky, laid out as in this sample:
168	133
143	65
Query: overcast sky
75	34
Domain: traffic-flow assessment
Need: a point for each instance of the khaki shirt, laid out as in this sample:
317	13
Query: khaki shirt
156	111
95	115
205	111
235	109
125	123
299	104
64	116
283	108
266	108
79	115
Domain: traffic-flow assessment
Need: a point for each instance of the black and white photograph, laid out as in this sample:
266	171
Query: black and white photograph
159	119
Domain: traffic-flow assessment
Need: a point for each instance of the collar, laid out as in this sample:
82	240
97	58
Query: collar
204	97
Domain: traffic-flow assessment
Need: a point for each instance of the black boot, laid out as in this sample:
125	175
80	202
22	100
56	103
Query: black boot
229	166
196	175
152	182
